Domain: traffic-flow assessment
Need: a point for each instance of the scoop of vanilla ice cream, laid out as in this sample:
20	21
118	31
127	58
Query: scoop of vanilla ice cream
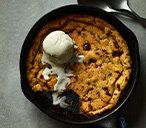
58	47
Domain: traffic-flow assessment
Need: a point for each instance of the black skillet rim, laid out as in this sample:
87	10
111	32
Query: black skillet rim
82	9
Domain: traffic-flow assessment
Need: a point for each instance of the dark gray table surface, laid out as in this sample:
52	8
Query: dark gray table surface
16	19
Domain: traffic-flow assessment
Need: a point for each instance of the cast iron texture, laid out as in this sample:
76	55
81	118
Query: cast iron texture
42	101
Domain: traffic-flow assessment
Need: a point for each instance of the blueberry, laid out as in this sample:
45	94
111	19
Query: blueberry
87	46
72	99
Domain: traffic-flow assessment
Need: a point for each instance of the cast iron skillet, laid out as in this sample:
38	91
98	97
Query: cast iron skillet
42	101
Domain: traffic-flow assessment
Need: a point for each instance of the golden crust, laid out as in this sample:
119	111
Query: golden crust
101	78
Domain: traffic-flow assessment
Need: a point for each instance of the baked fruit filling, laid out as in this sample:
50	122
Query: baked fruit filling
105	71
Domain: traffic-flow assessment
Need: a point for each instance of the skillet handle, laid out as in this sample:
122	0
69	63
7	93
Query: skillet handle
120	123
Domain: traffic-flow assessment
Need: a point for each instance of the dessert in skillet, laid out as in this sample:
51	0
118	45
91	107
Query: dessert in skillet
84	54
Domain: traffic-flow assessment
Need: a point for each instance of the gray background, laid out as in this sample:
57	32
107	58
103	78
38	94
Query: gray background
16	19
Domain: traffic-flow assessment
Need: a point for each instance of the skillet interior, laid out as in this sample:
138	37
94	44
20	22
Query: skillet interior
40	99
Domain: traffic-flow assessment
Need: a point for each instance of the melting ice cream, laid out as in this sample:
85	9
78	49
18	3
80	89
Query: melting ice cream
59	53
